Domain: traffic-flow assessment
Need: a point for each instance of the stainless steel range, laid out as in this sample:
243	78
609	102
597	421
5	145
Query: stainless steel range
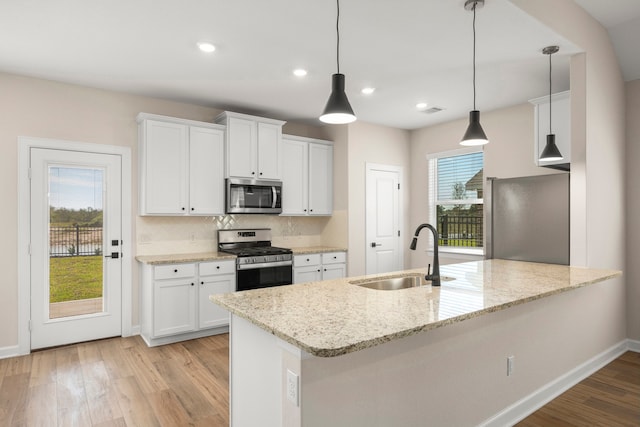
258	264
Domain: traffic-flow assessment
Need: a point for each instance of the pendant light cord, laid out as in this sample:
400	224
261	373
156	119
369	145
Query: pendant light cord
474	55
338	33
550	93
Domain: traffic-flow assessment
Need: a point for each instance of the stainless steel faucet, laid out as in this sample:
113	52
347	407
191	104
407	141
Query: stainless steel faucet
435	277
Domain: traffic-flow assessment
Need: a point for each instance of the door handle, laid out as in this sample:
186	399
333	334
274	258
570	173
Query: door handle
374	244
113	255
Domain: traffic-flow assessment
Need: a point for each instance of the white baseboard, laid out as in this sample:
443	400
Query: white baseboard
135	330
10	351
531	403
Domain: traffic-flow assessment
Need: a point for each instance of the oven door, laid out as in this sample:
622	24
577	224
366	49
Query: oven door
256	276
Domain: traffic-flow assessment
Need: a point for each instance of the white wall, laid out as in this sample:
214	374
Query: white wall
373	144
508	154
41	108
633	209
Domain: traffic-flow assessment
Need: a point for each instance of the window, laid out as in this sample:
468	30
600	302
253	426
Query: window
456	184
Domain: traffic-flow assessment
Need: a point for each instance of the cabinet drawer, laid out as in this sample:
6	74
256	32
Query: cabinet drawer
217	267
334	258
174	271
304	260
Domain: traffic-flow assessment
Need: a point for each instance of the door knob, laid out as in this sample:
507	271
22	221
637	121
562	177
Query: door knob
374	244
113	255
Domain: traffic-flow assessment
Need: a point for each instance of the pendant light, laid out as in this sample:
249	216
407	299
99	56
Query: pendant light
338	110
475	134
550	152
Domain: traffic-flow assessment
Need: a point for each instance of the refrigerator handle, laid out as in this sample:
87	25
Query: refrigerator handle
488	223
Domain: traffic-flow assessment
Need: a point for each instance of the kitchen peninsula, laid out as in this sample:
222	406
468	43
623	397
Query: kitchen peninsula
334	353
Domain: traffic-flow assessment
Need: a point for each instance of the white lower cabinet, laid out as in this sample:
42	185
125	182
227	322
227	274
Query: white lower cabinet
175	303
316	267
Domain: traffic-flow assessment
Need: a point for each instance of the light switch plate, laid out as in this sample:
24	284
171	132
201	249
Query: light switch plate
292	387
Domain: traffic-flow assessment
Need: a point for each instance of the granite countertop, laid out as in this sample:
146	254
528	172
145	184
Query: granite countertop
180	258
316	250
333	317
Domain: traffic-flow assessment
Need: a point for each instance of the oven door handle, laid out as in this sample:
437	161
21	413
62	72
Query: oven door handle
264	265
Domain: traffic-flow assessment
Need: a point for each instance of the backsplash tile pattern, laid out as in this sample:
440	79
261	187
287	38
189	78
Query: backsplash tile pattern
163	235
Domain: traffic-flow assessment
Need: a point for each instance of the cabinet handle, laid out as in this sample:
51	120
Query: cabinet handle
193	209
218	267
202	283
310	210
305	210
260	173
253	173
335	257
325	269
182	208
192	284
307	259
175	271
318	270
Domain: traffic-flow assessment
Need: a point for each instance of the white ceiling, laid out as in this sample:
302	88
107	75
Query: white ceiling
410	50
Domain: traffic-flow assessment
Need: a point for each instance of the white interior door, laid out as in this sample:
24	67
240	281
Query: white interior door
76	263
383	252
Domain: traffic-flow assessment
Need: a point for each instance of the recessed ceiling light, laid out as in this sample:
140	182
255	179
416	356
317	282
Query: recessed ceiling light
206	47
368	90
300	72
421	105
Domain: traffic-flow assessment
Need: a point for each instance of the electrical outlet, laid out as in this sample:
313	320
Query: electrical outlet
510	365
292	387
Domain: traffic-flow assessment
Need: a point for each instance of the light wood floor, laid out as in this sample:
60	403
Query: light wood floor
118	382
608	398
122	382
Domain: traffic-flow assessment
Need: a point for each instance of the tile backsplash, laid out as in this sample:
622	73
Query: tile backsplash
162	235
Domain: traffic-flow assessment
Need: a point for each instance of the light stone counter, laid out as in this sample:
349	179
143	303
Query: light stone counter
316	250
333	317
184	258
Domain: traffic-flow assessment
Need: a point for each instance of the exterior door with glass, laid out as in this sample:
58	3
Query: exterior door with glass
76	270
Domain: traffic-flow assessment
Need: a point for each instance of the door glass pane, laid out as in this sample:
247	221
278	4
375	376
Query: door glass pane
75	241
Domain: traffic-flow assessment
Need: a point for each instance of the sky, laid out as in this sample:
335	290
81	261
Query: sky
75	188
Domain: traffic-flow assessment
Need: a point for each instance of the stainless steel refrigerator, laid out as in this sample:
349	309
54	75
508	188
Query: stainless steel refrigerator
528	218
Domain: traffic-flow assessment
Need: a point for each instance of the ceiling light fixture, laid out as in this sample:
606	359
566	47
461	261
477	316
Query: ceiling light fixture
338	110
421	105
550	152
206	47
475	134
368	90
299	72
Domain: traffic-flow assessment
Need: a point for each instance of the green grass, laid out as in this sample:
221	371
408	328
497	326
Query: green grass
75	278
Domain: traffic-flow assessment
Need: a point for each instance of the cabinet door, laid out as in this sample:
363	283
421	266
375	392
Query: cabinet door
320	179
206	171
307	274
212	315
334	271
242	148
165	163
174	306
269	143
294	177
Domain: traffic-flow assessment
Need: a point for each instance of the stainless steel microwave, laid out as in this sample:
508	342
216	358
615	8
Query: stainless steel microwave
250	196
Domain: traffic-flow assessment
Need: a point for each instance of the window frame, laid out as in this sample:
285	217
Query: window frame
432	167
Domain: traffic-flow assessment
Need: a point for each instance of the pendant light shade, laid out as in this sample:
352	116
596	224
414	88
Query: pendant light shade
475	134
550	152
338	109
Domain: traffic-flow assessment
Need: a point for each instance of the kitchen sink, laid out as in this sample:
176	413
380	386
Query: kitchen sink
392	283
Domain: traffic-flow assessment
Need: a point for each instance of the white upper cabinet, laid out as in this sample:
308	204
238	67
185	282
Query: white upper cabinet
307	178
253	146
181	166
561	126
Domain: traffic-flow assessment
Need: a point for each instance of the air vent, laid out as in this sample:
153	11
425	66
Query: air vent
432	110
